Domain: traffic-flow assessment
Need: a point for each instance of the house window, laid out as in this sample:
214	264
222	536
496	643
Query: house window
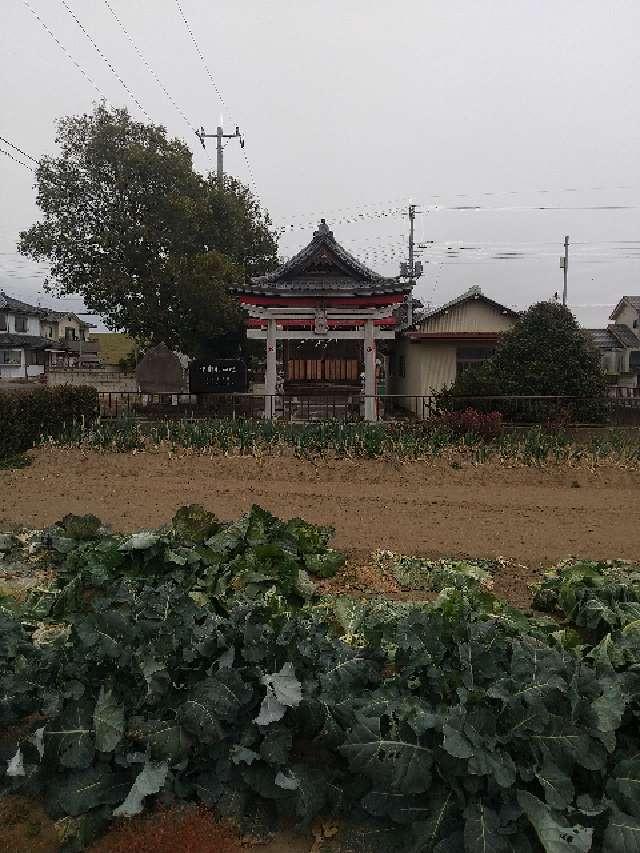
69	333
10	357
35	357
4	325
467	357
635	323
634	360
402	366
22	324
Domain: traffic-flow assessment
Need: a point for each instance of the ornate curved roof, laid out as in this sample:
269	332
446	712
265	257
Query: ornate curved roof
323	268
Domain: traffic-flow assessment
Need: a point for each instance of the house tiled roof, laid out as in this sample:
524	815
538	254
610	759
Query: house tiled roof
55	316
614	337
8	303
624	334
603	339
343	273
472	293
633	301
29	342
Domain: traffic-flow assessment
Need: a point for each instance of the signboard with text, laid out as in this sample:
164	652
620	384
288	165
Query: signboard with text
218	376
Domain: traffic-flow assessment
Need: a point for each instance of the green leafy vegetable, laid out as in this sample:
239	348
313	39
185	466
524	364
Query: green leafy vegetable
196	668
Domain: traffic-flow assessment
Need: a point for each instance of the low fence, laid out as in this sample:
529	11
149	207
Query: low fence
622	410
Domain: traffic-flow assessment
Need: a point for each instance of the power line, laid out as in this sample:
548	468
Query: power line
205	65
15	159
148	66
201	55
476	208
69	56
105	60
19	150
329	213
347	220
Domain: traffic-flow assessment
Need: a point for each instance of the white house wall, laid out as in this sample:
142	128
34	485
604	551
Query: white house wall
11	371
33	325
17	371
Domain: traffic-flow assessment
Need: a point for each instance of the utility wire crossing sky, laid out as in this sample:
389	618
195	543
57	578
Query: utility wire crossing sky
510	124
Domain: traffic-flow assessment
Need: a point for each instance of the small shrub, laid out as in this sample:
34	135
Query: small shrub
470	422
25	416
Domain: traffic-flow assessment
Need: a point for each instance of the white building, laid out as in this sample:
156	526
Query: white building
430	355
34	339
619	343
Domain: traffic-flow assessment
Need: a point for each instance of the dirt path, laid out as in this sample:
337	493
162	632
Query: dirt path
525	514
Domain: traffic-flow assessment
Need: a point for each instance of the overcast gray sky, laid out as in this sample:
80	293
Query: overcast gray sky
524	112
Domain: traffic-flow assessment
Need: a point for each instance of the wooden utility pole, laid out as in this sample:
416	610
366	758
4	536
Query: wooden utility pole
219	136
564	265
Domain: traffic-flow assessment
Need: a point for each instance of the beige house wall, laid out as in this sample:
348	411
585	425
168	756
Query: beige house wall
626	316
58	327
430	365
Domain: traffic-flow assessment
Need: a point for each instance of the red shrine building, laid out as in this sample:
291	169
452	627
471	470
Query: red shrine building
321	315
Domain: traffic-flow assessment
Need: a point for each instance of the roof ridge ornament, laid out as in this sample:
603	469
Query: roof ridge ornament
323	230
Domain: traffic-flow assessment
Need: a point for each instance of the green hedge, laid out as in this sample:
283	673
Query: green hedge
27	415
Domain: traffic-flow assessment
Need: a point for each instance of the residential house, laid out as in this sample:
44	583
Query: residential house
79	349
619	343
431	354
33	339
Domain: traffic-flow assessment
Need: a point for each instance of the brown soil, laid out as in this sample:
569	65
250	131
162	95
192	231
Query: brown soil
533	516
189	828
25	827
361	578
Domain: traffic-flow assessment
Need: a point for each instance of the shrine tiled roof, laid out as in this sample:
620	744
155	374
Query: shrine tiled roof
321	267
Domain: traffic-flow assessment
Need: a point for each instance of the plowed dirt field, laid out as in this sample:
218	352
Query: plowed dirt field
534	516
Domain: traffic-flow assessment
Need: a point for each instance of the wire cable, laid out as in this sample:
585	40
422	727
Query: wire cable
69	56
106	60
148	66
15	159
19	150
205	65
201	55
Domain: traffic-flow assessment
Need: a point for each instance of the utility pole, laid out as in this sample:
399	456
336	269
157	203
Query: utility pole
219	136
564	266
412	217
411	270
